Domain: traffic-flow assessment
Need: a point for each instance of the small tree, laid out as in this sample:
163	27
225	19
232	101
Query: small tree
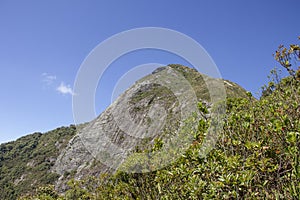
285	57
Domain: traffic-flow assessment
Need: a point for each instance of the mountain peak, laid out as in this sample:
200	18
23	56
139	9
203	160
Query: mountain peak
151	109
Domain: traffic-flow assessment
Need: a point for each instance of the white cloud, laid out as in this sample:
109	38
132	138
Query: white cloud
65	89
48	79
51	80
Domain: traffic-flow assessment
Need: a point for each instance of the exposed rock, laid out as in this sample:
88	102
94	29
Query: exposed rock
155	106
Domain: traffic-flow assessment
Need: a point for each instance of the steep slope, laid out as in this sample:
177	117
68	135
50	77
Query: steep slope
145	112
61	154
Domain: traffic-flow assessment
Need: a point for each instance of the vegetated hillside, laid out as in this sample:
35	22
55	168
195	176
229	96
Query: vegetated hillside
31	161
25	163
257	157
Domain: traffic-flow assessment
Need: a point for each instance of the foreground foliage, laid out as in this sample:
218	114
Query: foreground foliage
256	157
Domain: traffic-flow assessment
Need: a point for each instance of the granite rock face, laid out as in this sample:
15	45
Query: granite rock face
154	107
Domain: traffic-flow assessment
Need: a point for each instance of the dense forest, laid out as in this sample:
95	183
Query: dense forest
257	155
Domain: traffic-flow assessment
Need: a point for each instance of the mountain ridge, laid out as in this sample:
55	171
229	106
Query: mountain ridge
69	158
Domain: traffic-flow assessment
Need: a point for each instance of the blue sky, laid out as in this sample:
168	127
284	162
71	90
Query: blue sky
43	43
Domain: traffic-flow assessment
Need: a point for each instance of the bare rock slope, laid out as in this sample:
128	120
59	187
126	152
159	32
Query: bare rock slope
154	106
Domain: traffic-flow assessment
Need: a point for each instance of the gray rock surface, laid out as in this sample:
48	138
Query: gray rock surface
154	107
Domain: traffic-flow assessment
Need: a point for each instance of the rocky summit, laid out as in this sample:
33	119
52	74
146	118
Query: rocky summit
155	107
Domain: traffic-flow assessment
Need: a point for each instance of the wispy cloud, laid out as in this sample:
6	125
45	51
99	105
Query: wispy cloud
65	89
48	79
